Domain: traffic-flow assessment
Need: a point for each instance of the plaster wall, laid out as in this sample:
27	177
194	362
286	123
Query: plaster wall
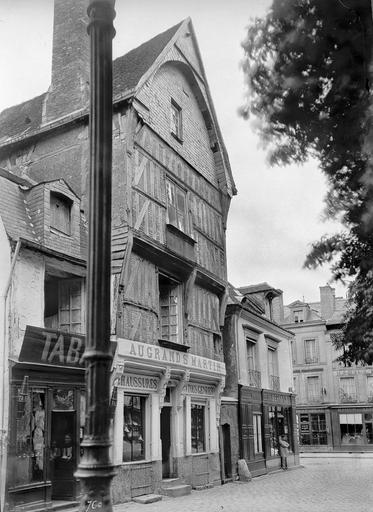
27	297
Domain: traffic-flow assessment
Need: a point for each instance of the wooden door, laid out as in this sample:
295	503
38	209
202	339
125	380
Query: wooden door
63	454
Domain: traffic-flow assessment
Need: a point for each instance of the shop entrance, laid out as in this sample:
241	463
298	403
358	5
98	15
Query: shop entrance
63	454
166	440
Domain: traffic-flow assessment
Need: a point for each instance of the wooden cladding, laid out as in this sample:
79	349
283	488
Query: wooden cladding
205	309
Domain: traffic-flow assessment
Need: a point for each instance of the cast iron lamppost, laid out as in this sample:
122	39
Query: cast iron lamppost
96	470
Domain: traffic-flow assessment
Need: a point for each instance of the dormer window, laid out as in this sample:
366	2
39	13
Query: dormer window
176	125
298	315
60	213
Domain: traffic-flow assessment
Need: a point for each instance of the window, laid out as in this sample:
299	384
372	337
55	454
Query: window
176	206
293	351
298	315
133	428
198	428
351	426
64	304
258	445
273	369
347	389
311	352
252	365
370	388
170	310
176	124
313	389
313	429
60	213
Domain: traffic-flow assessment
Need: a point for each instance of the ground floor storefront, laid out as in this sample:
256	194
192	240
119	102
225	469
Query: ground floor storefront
46	422
257	420
346	427
166	419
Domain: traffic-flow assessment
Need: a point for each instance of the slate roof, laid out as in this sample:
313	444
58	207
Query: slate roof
129	68
255	288
127	71
13	211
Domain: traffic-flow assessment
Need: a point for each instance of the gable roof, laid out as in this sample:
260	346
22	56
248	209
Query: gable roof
127	71
129	68
260	287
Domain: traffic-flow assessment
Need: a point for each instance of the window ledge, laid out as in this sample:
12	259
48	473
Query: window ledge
56	231
173	345
180	233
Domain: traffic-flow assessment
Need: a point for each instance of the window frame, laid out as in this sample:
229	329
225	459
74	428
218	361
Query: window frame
176	216
312	350
176	120
172	284
55	222
316	397
142	399
201	406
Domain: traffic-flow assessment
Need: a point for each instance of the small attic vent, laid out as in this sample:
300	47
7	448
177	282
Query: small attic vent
215	147
27	120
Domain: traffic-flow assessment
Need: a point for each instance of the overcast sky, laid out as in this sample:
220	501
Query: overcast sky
278	211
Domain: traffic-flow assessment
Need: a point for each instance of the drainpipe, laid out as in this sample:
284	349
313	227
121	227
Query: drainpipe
4	382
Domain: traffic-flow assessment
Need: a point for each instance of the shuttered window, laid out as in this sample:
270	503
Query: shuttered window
60	213
176	206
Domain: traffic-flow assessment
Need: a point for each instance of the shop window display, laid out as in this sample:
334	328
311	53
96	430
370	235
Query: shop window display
30	437
280	424
133	428
313	429
198	428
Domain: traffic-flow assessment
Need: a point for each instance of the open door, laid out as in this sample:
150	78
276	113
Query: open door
63	454
226	431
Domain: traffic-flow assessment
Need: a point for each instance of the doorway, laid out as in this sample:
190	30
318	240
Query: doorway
166	440
226	431
63	454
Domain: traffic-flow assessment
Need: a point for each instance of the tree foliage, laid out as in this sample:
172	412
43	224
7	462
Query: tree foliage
308	73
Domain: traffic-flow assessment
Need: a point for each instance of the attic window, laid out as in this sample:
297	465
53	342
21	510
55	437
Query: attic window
298	316
60	213
176	125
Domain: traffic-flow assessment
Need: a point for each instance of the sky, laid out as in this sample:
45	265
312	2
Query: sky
278	212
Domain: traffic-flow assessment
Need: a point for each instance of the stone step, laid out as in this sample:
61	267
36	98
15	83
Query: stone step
175	491
147	498
171	482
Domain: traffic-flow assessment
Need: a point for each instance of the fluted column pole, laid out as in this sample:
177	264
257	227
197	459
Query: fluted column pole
96	470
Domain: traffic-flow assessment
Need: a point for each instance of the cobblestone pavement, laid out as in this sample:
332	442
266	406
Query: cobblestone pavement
322	485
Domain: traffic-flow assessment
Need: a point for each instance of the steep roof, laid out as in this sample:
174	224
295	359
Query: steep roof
127	71
13	212
255	288
129	68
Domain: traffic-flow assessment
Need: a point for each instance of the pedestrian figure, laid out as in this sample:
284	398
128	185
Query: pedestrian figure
284	445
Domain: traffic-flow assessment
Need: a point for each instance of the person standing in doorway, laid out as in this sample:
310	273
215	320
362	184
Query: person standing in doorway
284	452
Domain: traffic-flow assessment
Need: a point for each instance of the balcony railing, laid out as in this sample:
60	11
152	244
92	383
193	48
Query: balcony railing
274	382
255	379
311	359
347	397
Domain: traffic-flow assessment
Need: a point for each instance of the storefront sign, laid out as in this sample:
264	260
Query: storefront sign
47	346
129	349
137	382
199	389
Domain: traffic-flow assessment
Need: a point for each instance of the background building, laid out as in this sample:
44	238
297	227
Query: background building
172	186
258	404
334	408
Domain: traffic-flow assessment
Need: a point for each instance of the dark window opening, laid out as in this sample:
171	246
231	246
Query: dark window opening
198	428
133	428
60	213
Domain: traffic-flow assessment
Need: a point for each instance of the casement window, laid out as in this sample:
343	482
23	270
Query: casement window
257	424
60	213
347	389
176	206
273	369
198	425
298	315
370	388
170	306
133	428
313	389
293	351
252	364
64	304
176	120
311	351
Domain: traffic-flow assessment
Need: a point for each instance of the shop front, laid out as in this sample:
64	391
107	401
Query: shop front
46	419
352	428
166	418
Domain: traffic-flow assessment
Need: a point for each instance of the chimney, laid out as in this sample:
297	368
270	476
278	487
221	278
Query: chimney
327	301
69	89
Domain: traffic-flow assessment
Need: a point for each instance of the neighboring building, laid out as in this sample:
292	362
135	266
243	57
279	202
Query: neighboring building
172	187
334	408
258	404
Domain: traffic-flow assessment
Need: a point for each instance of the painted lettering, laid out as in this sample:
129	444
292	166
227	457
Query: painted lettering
74	349
58	350
49	337
156	354
133	351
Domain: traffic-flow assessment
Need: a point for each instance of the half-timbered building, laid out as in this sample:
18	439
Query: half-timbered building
172	186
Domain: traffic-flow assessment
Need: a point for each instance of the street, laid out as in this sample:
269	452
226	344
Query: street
323	484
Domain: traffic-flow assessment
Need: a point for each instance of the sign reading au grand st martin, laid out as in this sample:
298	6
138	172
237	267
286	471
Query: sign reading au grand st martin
135	350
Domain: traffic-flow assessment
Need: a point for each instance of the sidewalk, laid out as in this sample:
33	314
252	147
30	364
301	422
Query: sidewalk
336	455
